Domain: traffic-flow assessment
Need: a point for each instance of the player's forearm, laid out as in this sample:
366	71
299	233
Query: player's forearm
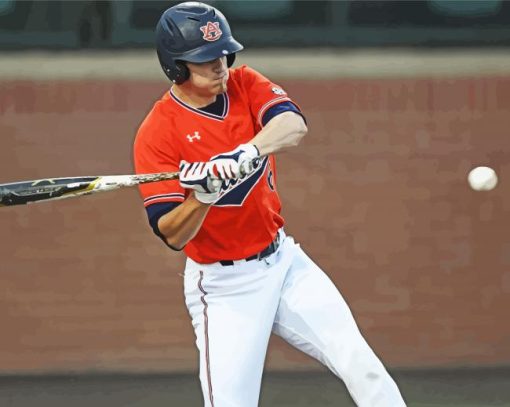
181	224
283	131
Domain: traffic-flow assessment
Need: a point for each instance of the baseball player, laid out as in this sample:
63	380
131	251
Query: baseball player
244	277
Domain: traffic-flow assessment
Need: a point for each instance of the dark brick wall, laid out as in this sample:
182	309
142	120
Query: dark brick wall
376	194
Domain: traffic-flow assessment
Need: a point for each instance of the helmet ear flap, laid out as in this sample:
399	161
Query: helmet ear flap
181	73
230	59
178	74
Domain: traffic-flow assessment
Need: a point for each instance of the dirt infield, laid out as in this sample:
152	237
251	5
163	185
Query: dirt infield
466	388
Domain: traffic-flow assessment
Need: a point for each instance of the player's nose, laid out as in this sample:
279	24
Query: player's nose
220	64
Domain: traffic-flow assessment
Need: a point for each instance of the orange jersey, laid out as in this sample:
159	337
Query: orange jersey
246	219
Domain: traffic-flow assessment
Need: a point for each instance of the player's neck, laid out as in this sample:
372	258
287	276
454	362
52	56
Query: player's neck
192	99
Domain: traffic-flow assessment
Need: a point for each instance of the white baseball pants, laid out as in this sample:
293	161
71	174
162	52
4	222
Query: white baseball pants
235	308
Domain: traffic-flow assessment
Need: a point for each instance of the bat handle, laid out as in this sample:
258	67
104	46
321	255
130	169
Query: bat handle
251	165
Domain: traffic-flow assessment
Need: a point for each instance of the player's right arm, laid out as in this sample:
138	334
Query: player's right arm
176	209
182	223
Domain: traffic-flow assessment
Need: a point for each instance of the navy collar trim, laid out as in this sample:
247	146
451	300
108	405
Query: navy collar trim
226	106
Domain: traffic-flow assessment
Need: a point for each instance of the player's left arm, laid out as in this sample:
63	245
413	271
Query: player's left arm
281	132
279	119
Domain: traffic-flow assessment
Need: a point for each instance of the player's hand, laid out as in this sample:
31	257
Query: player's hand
236	163
197	176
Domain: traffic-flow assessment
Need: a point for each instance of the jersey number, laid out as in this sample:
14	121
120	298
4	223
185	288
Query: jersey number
270	181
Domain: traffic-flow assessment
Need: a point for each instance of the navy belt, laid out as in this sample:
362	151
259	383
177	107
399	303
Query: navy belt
268	251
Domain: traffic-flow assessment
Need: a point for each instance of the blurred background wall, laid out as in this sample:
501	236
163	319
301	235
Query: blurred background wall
277	23
402	100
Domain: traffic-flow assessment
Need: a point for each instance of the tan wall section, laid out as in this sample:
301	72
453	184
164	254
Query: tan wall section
376	195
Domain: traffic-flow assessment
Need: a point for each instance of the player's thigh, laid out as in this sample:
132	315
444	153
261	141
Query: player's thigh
232	316
313	317
312	314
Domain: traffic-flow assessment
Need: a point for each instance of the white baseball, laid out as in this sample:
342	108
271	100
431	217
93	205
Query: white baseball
482	178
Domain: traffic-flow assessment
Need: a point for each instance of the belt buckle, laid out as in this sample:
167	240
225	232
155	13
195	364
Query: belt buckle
269	250
273	246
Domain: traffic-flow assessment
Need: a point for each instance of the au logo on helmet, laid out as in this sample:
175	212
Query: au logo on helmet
211	31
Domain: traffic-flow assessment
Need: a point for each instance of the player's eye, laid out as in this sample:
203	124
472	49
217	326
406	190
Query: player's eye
213	62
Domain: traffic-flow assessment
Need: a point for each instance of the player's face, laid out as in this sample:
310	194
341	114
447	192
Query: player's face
209	78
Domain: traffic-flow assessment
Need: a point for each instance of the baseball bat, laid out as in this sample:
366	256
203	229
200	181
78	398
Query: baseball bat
50	189
20	193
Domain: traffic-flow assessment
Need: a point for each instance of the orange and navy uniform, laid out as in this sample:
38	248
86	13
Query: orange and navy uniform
246	219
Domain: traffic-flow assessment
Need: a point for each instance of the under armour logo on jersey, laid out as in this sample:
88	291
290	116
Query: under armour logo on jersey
195	136
211	31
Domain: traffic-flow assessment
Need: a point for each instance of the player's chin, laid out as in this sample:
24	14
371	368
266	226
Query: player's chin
219	88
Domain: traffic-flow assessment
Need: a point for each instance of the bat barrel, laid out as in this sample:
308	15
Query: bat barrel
20	193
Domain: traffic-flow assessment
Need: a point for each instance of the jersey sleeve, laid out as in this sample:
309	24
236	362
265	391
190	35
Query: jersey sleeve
154	152
261	93
280	108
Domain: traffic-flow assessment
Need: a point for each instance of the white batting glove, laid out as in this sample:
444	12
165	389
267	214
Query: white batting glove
236	163
197	176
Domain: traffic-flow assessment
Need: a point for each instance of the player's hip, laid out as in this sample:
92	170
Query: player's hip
240	275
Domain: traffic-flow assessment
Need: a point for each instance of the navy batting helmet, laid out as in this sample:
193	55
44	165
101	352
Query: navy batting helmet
192	32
